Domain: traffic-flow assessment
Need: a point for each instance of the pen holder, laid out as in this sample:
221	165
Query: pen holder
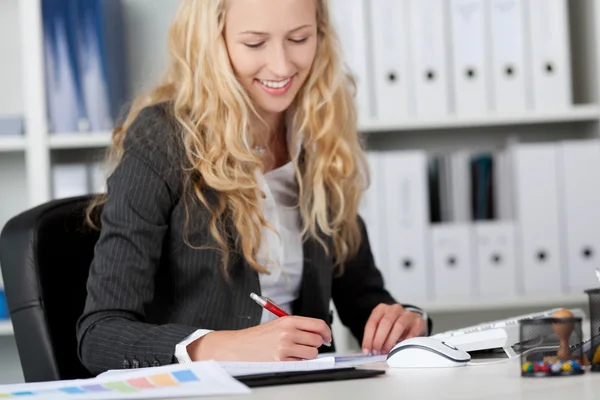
550	346
594	353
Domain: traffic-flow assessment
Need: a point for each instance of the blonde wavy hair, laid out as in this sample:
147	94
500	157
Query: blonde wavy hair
214	112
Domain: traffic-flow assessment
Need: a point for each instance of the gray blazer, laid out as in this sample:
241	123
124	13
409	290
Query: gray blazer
148	290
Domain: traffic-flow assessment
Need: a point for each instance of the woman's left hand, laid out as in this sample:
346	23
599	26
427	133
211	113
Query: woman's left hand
389	324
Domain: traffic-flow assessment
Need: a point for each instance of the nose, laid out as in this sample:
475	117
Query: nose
280	62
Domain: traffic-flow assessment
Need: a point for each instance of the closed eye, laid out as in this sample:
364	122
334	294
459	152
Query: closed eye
254	45
299	40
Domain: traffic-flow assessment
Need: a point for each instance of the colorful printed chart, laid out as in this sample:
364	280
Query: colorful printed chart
191	380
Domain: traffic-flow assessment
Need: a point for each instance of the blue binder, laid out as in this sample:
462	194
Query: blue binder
64	96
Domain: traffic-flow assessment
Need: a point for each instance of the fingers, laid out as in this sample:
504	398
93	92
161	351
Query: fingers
394	337
371	327
297	353
312	325
304	352
416	328
308	339
393	322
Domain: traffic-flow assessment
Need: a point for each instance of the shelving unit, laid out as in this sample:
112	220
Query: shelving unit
11	144
578	113
502	304
29	158
6	328
79	140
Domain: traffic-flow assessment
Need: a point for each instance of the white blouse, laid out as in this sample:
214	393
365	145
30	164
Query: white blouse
282	254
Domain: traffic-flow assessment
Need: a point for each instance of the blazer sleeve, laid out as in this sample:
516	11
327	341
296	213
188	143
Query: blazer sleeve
360	289
112	331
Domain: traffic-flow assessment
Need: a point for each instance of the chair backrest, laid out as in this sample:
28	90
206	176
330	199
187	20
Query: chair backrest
45	254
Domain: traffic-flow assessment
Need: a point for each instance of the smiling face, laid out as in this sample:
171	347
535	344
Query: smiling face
271	45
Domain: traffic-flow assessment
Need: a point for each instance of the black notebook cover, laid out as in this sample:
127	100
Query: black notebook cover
322	375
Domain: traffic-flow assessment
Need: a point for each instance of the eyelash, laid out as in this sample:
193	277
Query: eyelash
257	45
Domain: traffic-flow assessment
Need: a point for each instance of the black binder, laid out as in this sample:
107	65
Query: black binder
321	375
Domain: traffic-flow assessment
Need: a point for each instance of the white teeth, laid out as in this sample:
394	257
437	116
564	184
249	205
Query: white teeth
276	85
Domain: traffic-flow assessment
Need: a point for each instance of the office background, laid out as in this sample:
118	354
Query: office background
481	119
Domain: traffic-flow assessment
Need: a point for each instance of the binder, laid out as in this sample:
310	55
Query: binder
579	163
389	42
549	47
461	186
537	216
350	22
452	261
503	184
64	97
469	54
100	56
96	178
69	180
407	224
429	70
372	210
495	259
508	56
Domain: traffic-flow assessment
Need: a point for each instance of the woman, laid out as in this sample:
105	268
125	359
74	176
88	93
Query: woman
241	173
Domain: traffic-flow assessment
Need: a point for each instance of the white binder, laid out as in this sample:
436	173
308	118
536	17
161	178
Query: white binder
495	259
406	221
372	211
580	206
452	261
69	179
427	24
508	57
96	177
469	55
350	21
550	54
389	42
537	214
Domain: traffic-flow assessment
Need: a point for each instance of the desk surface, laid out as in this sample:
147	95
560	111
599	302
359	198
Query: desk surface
500	381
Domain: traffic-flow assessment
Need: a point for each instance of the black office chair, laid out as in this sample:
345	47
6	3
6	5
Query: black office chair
45	254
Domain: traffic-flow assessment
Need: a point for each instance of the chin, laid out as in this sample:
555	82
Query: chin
272	108
275	105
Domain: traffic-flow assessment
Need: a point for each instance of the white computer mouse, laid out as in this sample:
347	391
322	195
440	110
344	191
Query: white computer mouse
426	352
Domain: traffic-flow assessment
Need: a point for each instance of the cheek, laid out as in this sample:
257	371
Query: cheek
304	57
245	65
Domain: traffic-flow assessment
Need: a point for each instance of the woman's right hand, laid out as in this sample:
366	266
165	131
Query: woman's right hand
289	338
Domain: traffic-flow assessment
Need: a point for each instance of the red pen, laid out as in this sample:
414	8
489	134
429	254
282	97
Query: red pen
270	305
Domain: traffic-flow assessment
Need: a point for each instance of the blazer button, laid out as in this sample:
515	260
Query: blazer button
126	364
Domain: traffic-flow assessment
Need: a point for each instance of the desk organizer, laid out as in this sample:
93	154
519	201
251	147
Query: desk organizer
594	353
549	346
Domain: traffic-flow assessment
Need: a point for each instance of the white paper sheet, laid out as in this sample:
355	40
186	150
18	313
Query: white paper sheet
237	368
172	381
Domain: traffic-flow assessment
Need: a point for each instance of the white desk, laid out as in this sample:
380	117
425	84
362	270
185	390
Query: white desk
490	382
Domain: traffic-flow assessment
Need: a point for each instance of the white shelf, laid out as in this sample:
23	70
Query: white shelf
505	304
6	328
79	140
579	113
10	143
